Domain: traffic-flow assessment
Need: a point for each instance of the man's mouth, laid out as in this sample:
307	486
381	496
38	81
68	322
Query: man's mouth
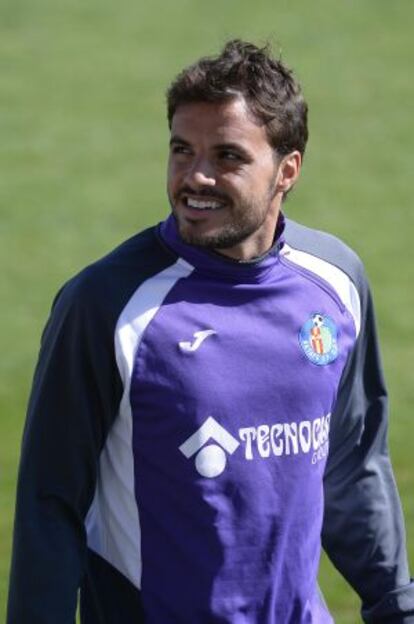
202	203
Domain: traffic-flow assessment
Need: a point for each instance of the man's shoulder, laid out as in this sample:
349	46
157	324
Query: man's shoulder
327	248
107	284
141	254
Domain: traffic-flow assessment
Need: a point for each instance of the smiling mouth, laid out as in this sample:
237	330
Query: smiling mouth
202	203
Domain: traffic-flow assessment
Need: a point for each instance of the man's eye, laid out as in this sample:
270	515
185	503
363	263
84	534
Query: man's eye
180	149
230	155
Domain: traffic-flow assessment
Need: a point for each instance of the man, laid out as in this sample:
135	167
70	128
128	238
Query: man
190	384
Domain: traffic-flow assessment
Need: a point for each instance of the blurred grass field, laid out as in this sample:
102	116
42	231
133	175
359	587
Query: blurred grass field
83	152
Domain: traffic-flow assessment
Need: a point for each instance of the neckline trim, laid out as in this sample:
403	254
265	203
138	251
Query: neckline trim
213	262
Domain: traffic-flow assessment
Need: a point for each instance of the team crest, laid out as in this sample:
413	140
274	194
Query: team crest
319	339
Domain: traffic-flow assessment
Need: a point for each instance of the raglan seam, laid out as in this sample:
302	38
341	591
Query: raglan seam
138	358
356	276
315	279
355	316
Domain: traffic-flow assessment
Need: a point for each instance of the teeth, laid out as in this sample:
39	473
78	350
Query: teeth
202	205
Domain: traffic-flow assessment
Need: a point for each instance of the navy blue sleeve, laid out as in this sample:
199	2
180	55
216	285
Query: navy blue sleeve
363	531
74	400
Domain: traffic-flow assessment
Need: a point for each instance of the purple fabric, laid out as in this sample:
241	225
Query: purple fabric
241	547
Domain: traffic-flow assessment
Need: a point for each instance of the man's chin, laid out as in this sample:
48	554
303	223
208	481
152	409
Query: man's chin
190	237
212	240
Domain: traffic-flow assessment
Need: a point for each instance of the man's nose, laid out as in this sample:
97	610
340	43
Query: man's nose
201	173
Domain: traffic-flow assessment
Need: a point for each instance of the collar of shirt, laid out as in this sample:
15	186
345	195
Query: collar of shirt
210	262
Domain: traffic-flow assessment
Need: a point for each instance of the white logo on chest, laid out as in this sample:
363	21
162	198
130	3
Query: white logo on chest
305	437
199	338
211	459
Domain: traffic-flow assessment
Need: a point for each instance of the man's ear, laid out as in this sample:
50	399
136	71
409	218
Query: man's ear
288	172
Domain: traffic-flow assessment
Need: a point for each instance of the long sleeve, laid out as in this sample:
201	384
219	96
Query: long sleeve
73	402
363	532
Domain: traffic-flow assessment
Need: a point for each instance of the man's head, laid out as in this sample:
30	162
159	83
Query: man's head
238	133
268	86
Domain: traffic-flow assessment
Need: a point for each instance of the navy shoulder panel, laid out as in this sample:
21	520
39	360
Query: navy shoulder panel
328	248
109	282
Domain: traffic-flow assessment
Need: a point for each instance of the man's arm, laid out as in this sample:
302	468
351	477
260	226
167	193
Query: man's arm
363	531
74	400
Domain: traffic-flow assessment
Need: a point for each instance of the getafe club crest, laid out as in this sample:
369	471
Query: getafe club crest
318	339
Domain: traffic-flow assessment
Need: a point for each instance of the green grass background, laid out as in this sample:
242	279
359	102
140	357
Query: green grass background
82	166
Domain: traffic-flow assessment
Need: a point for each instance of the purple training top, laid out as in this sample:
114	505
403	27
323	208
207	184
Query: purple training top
182	412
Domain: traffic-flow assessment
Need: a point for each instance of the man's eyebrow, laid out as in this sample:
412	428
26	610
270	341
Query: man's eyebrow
177	139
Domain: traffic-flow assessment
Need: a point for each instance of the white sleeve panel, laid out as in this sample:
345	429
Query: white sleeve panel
112	523
335	277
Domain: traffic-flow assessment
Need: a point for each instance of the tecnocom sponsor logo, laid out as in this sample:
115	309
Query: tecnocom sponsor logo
211	444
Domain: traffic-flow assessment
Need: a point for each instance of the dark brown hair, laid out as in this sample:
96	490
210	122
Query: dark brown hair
268	86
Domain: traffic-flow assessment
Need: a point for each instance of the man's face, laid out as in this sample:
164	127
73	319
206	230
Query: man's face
222	178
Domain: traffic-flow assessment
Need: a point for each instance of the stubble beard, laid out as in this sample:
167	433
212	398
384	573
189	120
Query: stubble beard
240	226
227	236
